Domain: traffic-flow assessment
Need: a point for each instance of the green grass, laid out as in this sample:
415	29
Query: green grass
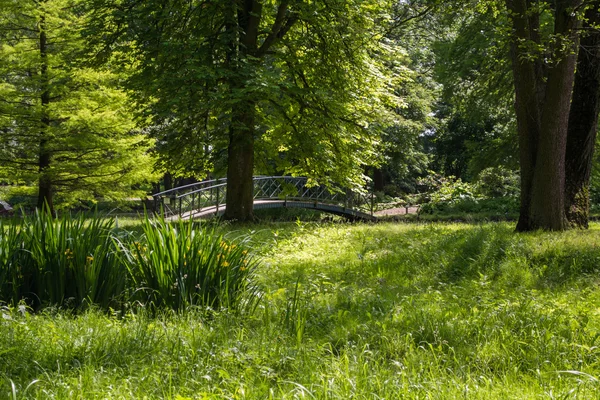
431	311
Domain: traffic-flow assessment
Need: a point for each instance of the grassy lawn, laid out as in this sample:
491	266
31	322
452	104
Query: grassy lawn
430	311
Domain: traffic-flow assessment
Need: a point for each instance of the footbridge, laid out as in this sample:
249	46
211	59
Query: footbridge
207	198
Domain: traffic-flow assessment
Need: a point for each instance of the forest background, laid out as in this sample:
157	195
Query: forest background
109	101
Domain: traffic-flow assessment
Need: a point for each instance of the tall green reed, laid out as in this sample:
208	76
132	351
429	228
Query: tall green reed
69	261
182	264
14	265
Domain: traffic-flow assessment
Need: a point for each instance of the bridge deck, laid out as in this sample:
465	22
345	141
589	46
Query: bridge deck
262	204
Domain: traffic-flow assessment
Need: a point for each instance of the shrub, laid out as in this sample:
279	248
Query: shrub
68	262
498	182
449	192
183	264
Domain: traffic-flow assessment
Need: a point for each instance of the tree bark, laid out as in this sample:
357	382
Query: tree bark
45	186
240	152
583	122
542	104
529	88
240	166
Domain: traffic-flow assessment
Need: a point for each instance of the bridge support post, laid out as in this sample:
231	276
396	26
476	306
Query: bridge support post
217	203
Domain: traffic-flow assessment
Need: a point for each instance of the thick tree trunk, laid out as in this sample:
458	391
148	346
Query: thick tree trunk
45	187
529	88
240	166
542	106
583	123
547	197
240	162
548	194
243	59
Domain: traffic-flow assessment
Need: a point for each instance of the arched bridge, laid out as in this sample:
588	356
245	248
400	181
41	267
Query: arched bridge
207	198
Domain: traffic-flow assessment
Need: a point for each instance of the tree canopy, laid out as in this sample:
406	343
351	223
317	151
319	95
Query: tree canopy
65	126
98	97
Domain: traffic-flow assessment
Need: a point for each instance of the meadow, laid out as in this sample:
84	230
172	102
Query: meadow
389	310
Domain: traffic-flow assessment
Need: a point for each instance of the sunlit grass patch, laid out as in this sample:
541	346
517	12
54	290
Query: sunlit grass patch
348	311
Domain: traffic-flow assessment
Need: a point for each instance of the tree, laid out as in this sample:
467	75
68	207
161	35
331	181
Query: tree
543	70
477	128
302	84
63	125
544	41
583	121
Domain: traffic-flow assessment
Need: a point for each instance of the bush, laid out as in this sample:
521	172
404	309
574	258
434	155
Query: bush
75	262
448	192
496	182
70	262
496	192
183	264
498	206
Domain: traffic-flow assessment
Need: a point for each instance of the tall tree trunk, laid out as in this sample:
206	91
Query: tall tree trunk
583	122
240	162
240	165
243	60
529	88
542	106
45	187
547	197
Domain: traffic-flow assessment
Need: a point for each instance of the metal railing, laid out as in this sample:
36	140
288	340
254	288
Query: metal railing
212	193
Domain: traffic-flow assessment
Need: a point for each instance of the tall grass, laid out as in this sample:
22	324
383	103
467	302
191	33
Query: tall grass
15	266
394	311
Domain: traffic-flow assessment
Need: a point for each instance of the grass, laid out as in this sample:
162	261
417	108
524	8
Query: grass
438	311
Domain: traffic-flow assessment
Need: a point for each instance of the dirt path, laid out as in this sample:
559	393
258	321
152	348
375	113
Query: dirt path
397	211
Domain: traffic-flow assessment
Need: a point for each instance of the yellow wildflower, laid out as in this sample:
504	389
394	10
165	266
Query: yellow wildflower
225	264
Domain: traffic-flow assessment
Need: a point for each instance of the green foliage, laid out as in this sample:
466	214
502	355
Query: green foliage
54	103
495	193
477	127
319	95
183	264
498	182
78	262
446	190
69	261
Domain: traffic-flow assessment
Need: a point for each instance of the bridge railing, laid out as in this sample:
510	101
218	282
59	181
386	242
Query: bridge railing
212	193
